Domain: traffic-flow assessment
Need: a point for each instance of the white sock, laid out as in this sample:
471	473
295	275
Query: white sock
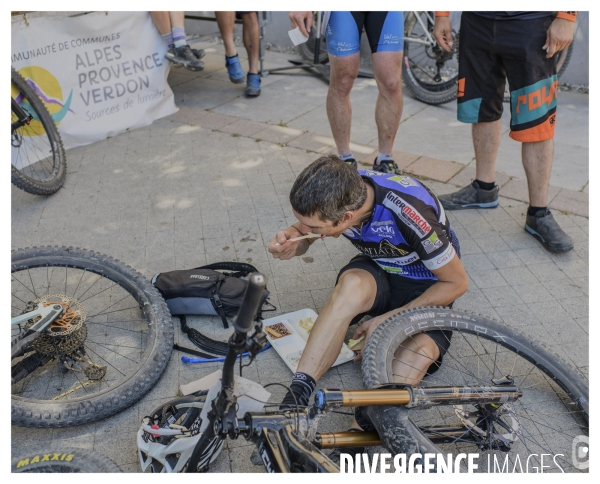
345	157
382	156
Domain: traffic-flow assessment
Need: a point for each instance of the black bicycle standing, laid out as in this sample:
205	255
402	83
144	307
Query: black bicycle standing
496	394
38	158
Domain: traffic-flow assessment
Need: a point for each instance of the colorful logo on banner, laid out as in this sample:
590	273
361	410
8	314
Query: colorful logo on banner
47	87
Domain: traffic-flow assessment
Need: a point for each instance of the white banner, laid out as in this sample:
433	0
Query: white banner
99	74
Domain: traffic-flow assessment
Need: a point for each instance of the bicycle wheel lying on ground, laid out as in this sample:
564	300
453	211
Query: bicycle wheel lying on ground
108	347
552	412
38	159
429	73
62	460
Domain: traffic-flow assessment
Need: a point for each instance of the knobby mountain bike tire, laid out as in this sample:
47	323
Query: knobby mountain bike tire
63	460
38	158
551	414
108	348
563	58
419	64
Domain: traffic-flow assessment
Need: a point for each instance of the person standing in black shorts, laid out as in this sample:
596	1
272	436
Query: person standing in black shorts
519	46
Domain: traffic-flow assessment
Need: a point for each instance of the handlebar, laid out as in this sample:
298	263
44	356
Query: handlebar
251	302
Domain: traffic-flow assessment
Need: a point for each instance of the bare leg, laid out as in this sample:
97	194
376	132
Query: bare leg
387	68
251	39
412	359
226	21
162	20
537	161
486	141
177	19
339	110
354	294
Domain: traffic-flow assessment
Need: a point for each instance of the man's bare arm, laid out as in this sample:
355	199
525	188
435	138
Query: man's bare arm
302	20
281	247
452	283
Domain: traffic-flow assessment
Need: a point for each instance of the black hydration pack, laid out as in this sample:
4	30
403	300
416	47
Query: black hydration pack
205	291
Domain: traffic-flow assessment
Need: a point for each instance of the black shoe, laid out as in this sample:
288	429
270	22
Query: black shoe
351	162
544	228
184	56
335	455
470	196
199	53
387	166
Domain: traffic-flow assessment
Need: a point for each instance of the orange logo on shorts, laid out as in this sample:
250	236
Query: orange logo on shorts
461	87
535	99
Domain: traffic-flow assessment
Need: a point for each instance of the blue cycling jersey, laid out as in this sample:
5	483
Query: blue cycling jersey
408	233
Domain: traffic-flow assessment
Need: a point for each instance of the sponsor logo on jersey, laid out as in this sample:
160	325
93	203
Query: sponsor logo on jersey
445	257
431	243
401	261
405	181
383	228
408	214
374	173
440	260
385	249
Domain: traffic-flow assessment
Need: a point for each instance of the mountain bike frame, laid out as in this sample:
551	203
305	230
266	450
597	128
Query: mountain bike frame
281	437
22	117
431	42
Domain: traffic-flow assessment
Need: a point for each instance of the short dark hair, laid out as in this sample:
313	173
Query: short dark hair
328	187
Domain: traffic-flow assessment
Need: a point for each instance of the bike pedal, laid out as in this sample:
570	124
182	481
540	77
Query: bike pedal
255	458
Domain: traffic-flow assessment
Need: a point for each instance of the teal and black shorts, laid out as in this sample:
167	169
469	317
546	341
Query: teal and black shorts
492	50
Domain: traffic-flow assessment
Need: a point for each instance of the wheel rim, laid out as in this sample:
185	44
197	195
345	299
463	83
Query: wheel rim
83	358
545	420
33	153
420	60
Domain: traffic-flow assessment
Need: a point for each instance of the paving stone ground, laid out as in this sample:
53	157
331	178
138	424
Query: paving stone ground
211	183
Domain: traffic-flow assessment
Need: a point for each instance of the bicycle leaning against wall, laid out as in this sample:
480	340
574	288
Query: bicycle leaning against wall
38	158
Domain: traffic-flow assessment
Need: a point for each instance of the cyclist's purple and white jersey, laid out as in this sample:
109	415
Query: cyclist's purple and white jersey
408	233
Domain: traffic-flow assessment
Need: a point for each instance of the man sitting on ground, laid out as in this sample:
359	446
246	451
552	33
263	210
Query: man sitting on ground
408	259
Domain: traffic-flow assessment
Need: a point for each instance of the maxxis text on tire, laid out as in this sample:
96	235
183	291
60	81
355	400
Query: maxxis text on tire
61	459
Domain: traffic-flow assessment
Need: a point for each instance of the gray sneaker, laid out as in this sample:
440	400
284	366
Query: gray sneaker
544	228
470	196
184	56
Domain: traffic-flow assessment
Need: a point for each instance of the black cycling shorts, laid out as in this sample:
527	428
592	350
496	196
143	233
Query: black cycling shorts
492	50
394	292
